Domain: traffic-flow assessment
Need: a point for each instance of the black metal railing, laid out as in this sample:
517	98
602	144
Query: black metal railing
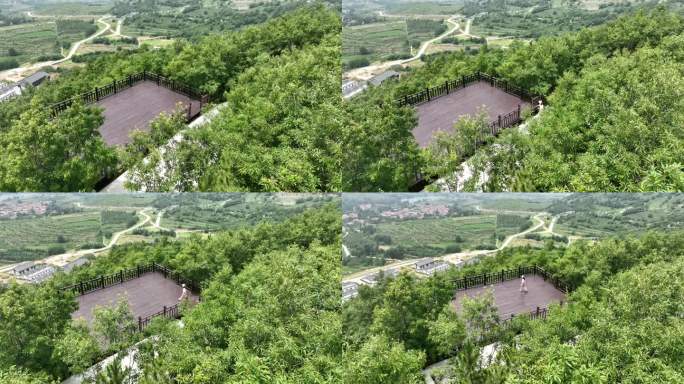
117	86
105	281
429	94
173	312
475	281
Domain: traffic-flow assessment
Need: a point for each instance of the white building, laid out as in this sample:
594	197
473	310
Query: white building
430	266
373	278
9	91
33	272
351	88
349	290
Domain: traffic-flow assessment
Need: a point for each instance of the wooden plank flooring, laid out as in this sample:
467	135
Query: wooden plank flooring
509	300
135	107
441	113
146	295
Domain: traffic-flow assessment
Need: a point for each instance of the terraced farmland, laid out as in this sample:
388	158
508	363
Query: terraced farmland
375	41
29	238
424	8
75	8
440	232
29	40
42	40
423	30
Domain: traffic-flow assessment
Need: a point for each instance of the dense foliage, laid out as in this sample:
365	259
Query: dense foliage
269	310
611	124
619	327
279	129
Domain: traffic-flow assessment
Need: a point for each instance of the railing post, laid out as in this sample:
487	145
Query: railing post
102	283
427	90
463	81
138	269
165	310
81	288
499	121
97	94
140	324
114	84
405	100
446	85
121	276
130	81
144	75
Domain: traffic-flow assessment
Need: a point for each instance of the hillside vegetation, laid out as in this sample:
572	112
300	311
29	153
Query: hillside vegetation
612	123
269	311
278	131
621	325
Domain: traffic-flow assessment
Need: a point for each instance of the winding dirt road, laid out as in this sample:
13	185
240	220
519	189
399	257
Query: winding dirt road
454	258
365	73
15	73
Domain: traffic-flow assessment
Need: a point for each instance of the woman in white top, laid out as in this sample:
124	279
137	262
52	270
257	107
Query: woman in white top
523	284
184	294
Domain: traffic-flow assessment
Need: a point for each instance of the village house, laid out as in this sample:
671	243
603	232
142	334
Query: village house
429	266
349	290
33	272
373	278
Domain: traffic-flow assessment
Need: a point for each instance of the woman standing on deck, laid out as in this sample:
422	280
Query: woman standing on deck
523	285
184	294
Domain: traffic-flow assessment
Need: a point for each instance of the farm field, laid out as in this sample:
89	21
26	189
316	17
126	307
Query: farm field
441	232
520	18
375	41
423	30
29	238
30	41
73	8
42	40
516	204
190	19
114	200
210	215
424	8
